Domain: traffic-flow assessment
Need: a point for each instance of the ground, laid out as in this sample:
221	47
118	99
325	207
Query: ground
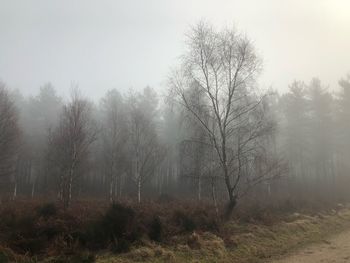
335	249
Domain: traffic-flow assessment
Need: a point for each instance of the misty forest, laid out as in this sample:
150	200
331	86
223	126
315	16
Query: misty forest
211	167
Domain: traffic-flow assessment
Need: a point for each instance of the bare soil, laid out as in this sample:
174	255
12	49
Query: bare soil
335	249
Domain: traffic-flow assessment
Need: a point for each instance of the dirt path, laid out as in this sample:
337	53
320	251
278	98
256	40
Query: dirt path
335	249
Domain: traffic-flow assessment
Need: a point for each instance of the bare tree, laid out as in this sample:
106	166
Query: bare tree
145	150
114	135
71	141
9	134
195	146
224	66
42	113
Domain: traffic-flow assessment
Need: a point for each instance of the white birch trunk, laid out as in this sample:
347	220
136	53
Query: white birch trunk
33	189
139	189
111	191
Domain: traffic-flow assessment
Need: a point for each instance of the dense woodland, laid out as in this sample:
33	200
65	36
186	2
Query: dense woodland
211	134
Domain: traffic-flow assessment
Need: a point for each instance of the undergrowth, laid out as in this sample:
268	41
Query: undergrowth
172	231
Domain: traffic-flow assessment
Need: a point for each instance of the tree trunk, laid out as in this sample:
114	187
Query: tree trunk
15	191
232	197
269	189
111	191
139	190
115	189
70	190
213	193
68	196
199	188
33	189
119	195
61	187
160	182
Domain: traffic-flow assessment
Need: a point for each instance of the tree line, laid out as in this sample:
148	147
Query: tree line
213	134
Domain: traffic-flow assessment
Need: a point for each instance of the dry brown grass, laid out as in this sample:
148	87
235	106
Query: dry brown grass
183	230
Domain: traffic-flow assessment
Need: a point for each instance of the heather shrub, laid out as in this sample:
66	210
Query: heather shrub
184	221
118	220
156	229
165	199
116	228
23	235
205	221
47	210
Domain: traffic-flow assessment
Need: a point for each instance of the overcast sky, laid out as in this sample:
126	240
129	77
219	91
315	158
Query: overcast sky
106	44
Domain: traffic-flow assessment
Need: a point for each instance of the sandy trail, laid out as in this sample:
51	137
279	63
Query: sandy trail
335	249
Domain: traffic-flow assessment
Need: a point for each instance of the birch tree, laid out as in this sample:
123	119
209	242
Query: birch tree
193	149
224	66
114	137
145	150
71	141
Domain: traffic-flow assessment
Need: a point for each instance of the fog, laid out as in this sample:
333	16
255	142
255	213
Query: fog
158	130
212	132
118	44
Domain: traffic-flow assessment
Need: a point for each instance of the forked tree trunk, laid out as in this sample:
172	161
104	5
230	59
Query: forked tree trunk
232	203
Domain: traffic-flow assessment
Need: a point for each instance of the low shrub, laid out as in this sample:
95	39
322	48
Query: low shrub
24	236
205	221
116	228
118	220
165	199
156	229
8	218
47	210
184	221
121	245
